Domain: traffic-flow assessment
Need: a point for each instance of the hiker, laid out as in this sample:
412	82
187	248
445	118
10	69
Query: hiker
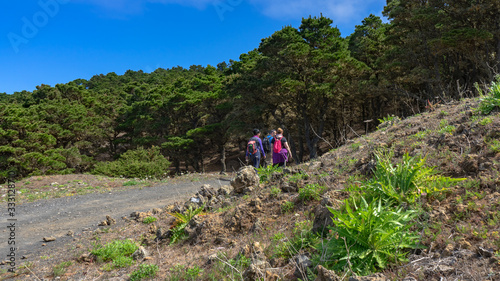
255	149
281	150
268	147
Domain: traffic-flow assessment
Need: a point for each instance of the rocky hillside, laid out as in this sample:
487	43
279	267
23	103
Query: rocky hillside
279	226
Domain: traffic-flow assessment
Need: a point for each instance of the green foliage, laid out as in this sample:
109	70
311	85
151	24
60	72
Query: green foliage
485	121
117	251
60	269
144	271
311	191
367	237
275	191
182	221
388	121
182	272
491	100
405	182
287	207
302	239
139	163
265	173
148	220
129	183
494	145
445	128
297	177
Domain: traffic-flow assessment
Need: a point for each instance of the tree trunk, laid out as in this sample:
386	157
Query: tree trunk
223	158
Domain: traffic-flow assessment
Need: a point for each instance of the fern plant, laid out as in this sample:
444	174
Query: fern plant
182	221
367	237
407	181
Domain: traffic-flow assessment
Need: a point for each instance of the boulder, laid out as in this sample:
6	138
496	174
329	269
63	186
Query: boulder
140	254
322	219
302	263
326	275
246	180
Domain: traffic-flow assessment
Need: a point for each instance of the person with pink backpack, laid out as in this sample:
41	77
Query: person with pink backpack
281	150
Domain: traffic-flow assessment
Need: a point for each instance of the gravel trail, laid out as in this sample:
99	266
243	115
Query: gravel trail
56	217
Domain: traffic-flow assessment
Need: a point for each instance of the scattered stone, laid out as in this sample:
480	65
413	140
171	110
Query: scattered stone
445	269
257	226
110	220
70	233
49	239
140	254
326	275
485	253
302	263
43	245
448	250
270	276
156	211
225	190
322	219
87	257
246	180
103	223
373	277
464	244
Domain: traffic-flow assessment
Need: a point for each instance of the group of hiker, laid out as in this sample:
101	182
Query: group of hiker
274	145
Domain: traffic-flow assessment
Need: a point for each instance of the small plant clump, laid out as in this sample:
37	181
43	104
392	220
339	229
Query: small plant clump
144	271
491	100
118	252
182	221
148	220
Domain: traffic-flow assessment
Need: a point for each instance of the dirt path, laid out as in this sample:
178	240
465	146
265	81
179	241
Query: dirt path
56	217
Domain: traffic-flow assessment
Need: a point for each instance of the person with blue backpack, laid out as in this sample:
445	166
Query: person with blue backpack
268	147
255	150
281	150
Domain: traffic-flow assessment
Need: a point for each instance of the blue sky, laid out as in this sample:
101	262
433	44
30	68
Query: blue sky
57	41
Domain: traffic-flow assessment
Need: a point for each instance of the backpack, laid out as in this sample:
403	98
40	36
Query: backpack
252	146
277	145
266	143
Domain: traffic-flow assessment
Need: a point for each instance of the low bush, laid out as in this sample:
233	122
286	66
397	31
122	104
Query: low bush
144	271
491	100
139	163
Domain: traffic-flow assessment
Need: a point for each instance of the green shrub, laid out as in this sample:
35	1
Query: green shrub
148	220
265	173
297	177
144	271
275	191
287	207
485	121
139	163
182	272
491	100
368	237
129	183
302	238
117	251
311	192
60	269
